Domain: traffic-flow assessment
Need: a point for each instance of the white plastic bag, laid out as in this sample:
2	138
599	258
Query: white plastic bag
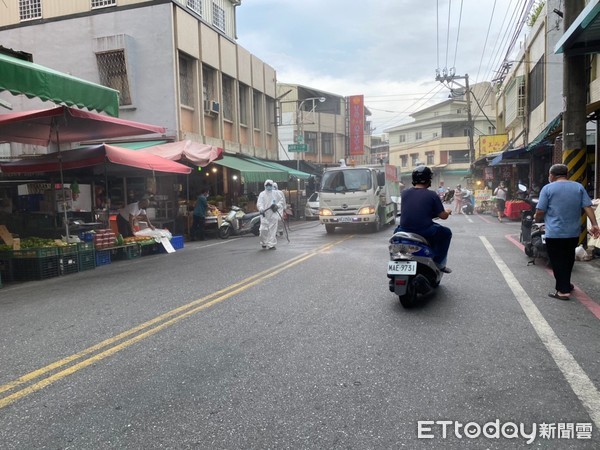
156	234
581	254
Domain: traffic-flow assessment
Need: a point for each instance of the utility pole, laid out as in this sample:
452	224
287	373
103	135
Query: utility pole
574	153
451	78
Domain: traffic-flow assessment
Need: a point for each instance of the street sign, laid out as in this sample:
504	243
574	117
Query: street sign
297	148
300	139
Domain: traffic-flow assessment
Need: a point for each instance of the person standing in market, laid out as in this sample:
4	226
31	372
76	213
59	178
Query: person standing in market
129	214
199	216
458	199
500	194
268	204
560	205
281	197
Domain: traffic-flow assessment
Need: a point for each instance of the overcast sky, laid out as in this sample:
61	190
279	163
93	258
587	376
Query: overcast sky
387	50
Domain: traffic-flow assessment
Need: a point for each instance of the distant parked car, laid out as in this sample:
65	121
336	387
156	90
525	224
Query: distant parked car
311	211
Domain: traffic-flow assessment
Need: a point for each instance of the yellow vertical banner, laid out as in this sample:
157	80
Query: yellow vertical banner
576	161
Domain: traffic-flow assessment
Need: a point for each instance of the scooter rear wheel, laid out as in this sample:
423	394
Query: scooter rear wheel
409	299
528	248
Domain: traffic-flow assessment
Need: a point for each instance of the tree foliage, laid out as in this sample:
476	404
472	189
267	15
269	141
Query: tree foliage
535	13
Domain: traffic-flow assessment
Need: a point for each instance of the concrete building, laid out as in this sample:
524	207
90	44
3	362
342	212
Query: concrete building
320	120
439	136
175	62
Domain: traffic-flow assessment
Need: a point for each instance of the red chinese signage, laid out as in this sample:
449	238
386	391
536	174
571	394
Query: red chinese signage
356	116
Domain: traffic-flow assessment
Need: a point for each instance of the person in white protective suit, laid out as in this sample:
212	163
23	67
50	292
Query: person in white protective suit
268	204
280	213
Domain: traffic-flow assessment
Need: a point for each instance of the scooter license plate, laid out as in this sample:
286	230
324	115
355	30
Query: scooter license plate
402	267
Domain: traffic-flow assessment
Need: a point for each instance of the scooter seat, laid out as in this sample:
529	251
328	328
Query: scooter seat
411	236
250	216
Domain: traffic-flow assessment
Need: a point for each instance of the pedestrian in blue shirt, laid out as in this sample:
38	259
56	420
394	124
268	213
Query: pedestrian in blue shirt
200	210
560	205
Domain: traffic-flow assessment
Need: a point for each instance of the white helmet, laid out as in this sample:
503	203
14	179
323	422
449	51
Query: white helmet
275	185
268	183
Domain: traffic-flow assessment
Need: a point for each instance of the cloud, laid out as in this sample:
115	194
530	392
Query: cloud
388	50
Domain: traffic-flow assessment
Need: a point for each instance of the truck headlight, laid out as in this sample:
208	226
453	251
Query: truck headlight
325	212
366	210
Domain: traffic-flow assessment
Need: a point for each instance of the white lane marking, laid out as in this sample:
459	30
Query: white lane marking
578	380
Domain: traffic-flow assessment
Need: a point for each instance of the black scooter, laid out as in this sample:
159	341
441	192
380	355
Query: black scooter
533	235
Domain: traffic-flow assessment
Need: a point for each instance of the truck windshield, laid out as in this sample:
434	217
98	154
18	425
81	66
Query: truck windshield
346	180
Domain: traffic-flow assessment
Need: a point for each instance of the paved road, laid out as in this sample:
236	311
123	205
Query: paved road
225	345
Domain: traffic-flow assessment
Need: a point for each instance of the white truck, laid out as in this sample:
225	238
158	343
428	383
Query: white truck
360	196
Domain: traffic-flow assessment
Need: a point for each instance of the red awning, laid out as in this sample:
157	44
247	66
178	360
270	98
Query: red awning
195	152
40	127
93	156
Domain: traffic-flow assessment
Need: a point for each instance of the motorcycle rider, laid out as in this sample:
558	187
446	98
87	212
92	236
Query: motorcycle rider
419	207
281	196
268	204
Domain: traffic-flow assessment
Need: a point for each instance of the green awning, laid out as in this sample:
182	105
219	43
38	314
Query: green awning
32	80
139	145
252	172
552	128
276	166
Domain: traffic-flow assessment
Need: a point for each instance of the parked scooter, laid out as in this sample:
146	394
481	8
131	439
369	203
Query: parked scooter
468	201
237	223
411	269
533	235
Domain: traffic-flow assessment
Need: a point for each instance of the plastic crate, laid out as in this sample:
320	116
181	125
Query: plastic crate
85	246
102	257
150	249
70	249
69	263
35	252
6	268
29	269
126	252
87	260
177	242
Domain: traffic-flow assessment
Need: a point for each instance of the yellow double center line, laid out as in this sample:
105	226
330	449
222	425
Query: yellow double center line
15	390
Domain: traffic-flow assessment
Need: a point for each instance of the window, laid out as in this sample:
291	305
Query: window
270	105
208	84
228	97
402	138
327	143
466	132
30	9
458	156
418	135
435	134
459	111
430	157
310	138
491	130
112	67
257	109
244	102
195	5
414	159
404	160
536	85
103	3
436	113
218	17
186	81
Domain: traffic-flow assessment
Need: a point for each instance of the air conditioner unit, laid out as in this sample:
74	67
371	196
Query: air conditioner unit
212	106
